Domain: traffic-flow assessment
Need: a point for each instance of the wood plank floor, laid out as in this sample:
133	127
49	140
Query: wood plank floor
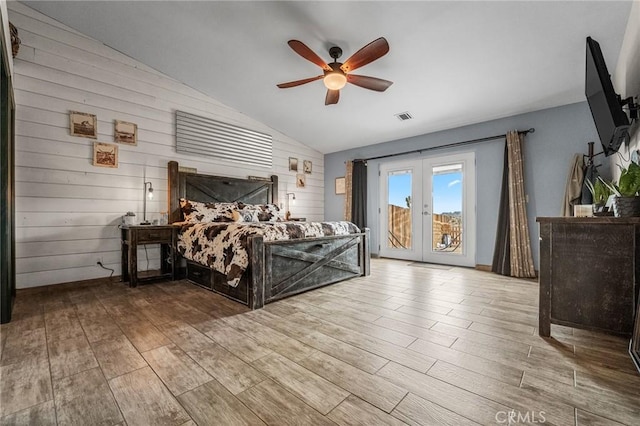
407	345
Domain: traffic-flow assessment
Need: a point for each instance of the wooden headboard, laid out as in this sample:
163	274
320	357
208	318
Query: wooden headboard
219	189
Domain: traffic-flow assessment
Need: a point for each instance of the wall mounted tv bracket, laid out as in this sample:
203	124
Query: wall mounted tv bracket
633	106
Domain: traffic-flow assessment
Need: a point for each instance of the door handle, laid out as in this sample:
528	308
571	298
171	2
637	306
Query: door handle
425	213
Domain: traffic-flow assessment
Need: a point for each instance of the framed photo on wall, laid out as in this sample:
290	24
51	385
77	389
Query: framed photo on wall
306	166
105	155
125	132
340	186
301	181
293	164
83	124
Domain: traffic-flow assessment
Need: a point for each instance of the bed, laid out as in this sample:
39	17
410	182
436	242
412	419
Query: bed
276	268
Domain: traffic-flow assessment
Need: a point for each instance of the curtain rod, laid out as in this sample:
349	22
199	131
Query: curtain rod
420	151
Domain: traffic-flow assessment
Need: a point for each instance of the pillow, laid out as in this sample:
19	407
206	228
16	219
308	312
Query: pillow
196	211
260	213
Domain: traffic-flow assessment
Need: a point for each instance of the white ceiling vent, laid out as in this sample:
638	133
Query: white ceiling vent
404	116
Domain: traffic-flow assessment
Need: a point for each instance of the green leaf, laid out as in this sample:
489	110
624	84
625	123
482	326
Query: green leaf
611	186
600	192
629	182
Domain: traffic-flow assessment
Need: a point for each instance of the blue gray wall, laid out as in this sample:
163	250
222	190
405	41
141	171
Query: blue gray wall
560	133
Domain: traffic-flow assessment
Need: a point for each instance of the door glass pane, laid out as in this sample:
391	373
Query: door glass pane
447	211
399	209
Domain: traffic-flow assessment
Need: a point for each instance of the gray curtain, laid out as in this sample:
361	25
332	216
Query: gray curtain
359	194
501	253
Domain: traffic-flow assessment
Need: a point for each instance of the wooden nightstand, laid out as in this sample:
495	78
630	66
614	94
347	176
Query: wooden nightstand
135	235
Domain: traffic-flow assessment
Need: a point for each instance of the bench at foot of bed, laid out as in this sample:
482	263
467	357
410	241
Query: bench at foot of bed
280	269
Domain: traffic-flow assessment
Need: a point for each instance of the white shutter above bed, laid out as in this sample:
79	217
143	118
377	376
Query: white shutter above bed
197	135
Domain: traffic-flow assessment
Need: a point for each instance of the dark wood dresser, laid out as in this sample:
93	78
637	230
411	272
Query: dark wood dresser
589	273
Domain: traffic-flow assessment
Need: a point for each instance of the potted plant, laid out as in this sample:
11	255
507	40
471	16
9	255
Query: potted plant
600	192
626	202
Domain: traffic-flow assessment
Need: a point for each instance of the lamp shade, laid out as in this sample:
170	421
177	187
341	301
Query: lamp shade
335	80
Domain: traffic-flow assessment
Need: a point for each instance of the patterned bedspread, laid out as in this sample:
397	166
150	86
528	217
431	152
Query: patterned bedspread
223	246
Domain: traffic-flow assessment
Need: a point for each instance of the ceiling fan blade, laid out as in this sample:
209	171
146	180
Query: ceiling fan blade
371	83
372	51
333	96
301	49
299	82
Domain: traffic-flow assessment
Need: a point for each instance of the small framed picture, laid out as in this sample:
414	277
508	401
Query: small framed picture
306	166
293	164
340	185
125	132
105	155
83	124
301	181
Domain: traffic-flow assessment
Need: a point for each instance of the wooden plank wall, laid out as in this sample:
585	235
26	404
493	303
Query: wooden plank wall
67	209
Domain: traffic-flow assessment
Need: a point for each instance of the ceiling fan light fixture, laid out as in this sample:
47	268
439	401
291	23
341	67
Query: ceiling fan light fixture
337	74
335	80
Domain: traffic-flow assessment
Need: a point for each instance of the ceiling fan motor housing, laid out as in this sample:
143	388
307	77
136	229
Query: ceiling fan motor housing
335	67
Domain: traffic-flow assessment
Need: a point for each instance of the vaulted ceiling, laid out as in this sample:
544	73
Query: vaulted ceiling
452	63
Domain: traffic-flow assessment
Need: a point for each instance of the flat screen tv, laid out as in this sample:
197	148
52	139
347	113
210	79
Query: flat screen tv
611	121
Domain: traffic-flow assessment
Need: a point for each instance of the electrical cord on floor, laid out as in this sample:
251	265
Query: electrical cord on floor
104	267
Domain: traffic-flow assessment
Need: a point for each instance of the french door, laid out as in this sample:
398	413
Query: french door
427	210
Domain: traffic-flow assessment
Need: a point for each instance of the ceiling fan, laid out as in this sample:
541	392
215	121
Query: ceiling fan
337	74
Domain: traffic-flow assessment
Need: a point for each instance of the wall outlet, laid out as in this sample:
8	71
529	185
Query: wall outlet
98	260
